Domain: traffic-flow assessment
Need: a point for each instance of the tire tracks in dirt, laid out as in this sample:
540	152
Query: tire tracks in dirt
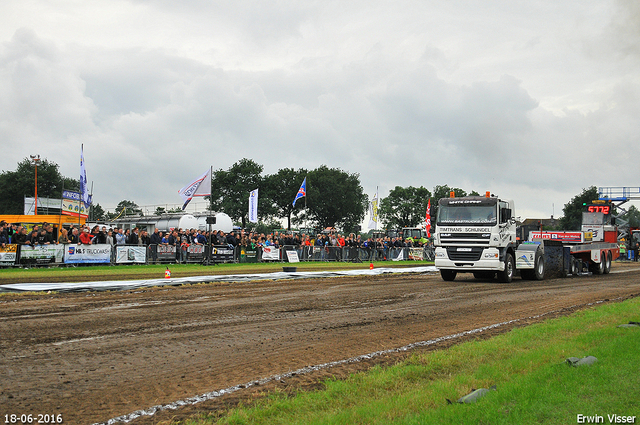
97	356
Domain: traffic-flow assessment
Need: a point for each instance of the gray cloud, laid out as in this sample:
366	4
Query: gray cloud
375	91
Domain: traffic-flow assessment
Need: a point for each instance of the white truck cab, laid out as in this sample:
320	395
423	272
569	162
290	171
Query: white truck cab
476	234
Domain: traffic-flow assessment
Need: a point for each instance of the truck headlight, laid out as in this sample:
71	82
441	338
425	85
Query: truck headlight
441	254
490	255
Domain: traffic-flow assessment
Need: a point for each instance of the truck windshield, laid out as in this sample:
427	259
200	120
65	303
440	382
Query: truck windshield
465	211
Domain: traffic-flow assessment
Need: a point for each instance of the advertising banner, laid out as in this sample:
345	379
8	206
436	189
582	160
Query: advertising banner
248	255
8	255
195	253
596	230
131	254
41	254
575	237
71	204
87	254
221	254
166	253
416	254
270	253
292	257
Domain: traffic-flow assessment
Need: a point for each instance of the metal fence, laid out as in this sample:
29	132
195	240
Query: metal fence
70	254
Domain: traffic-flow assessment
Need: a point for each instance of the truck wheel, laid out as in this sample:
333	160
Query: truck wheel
575	267
448	275
538	268
607	263
598	268
506	276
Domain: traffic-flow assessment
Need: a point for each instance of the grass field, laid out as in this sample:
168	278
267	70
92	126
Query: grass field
526	365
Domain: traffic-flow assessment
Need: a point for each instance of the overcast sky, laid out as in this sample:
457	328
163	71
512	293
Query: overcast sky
531	100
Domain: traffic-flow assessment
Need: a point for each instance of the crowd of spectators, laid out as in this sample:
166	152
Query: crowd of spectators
323	243
45	234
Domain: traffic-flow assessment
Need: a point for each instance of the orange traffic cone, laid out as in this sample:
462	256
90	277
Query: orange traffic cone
167	273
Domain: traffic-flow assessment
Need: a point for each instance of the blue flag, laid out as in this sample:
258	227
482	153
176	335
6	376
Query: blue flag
301	192
84	193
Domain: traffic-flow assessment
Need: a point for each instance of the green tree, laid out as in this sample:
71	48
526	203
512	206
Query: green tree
163	210
572	218
404	207
335	198
230	190
96	212
281	189
15	185
632	216
126	207
267	227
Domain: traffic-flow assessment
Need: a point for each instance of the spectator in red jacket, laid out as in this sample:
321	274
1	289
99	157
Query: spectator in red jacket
85	237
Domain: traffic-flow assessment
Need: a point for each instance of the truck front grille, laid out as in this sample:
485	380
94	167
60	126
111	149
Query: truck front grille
466	238
464	253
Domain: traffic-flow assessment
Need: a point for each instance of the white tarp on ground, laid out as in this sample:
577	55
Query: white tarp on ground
134	284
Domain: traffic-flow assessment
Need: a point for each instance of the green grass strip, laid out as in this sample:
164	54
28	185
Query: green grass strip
526	365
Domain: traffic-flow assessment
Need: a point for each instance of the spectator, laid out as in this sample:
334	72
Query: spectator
134	237
174	240
75	237
121	239
184	247
63	238
48	229
20	237
85	237
3	236
33	237
110	240
145	240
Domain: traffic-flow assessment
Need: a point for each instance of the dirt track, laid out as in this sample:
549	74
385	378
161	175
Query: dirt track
93	357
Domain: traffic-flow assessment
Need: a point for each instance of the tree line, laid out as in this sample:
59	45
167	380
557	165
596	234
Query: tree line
334	197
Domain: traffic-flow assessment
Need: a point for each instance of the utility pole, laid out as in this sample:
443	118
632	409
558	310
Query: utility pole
35	160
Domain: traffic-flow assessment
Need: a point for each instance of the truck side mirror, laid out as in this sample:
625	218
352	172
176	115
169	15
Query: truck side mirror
505	215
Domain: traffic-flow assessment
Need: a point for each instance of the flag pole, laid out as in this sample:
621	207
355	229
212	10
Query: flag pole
81	193
210	247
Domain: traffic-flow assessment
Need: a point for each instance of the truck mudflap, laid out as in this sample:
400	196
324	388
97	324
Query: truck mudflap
526	255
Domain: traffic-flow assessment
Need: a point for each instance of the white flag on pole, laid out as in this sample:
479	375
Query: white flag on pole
373	212
253	206
199	187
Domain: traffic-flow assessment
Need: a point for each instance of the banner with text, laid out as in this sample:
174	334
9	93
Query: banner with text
87	254
270	253
71	204
41	254
131	254
221	254
8	254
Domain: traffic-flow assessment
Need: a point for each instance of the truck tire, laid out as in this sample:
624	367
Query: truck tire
607	263
598	268
575	266
506	276
539	267
448	275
